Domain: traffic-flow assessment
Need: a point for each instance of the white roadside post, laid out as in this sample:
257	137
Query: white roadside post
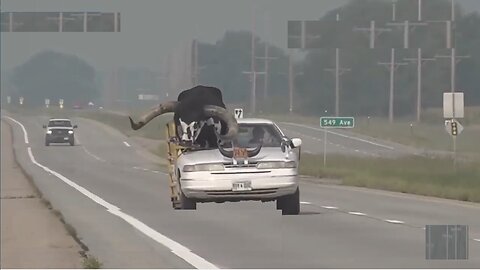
60	102
453	107
20	100
9	99
47	102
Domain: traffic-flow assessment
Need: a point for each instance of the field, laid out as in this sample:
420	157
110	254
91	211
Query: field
416	175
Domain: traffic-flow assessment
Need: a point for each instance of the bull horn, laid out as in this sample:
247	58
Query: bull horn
250	153
228	118
254	152
224	152
166	107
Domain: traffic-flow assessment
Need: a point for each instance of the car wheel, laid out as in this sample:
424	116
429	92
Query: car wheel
47	143
290	204
72	143
186	203
279	203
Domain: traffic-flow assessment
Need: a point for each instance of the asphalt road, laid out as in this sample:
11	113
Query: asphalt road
111	191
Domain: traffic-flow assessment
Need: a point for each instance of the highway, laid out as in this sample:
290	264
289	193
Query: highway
114	194
344	142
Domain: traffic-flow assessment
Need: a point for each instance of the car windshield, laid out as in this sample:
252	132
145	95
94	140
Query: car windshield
59	123
251	135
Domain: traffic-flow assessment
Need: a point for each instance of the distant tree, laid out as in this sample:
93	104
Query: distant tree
55	75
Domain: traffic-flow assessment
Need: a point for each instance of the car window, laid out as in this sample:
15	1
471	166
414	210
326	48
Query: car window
59	123
250	135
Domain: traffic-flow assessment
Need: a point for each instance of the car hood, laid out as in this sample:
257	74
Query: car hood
214	156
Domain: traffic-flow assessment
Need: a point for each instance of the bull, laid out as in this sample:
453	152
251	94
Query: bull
200	116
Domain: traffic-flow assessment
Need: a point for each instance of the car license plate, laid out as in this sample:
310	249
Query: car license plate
242	186
240	153
65	138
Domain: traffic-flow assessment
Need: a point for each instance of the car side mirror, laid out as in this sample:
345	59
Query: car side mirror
75	126
296	142
44	126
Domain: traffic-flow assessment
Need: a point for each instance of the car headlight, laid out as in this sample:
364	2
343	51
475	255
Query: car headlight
70	132
203	167
276	165
49	132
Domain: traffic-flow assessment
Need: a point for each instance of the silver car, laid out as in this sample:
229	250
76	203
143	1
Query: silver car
210	175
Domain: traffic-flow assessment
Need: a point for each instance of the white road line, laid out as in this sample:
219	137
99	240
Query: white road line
329	207
25	134
478	240
155	171
394	221
178	249
357	213
342	135
92	155
308	203
128	145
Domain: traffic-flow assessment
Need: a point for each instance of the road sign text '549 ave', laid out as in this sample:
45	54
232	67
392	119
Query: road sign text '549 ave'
337	122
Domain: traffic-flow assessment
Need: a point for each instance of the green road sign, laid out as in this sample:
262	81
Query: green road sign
337	122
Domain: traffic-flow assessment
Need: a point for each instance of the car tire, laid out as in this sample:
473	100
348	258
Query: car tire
279	203
187	203
72	143
47	143
290	204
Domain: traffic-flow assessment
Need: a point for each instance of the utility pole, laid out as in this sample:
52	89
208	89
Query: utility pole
391	66
419	61
338	72
267	58
253	74
291	80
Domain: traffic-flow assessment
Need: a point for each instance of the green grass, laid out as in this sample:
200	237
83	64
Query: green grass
91	262
416	175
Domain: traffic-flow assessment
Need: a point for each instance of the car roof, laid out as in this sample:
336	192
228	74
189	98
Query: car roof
59	119
254	121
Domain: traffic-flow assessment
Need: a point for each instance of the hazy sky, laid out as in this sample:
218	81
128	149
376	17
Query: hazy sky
153	28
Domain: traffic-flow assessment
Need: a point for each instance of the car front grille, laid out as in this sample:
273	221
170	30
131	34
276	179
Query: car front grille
230	165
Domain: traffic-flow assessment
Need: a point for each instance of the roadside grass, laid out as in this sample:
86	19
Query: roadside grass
415	175
430	134
91	262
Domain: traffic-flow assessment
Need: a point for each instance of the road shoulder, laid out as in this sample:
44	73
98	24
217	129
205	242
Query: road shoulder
32	234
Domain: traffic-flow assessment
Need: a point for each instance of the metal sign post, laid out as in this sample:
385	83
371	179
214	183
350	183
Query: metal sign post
333	122
453	107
